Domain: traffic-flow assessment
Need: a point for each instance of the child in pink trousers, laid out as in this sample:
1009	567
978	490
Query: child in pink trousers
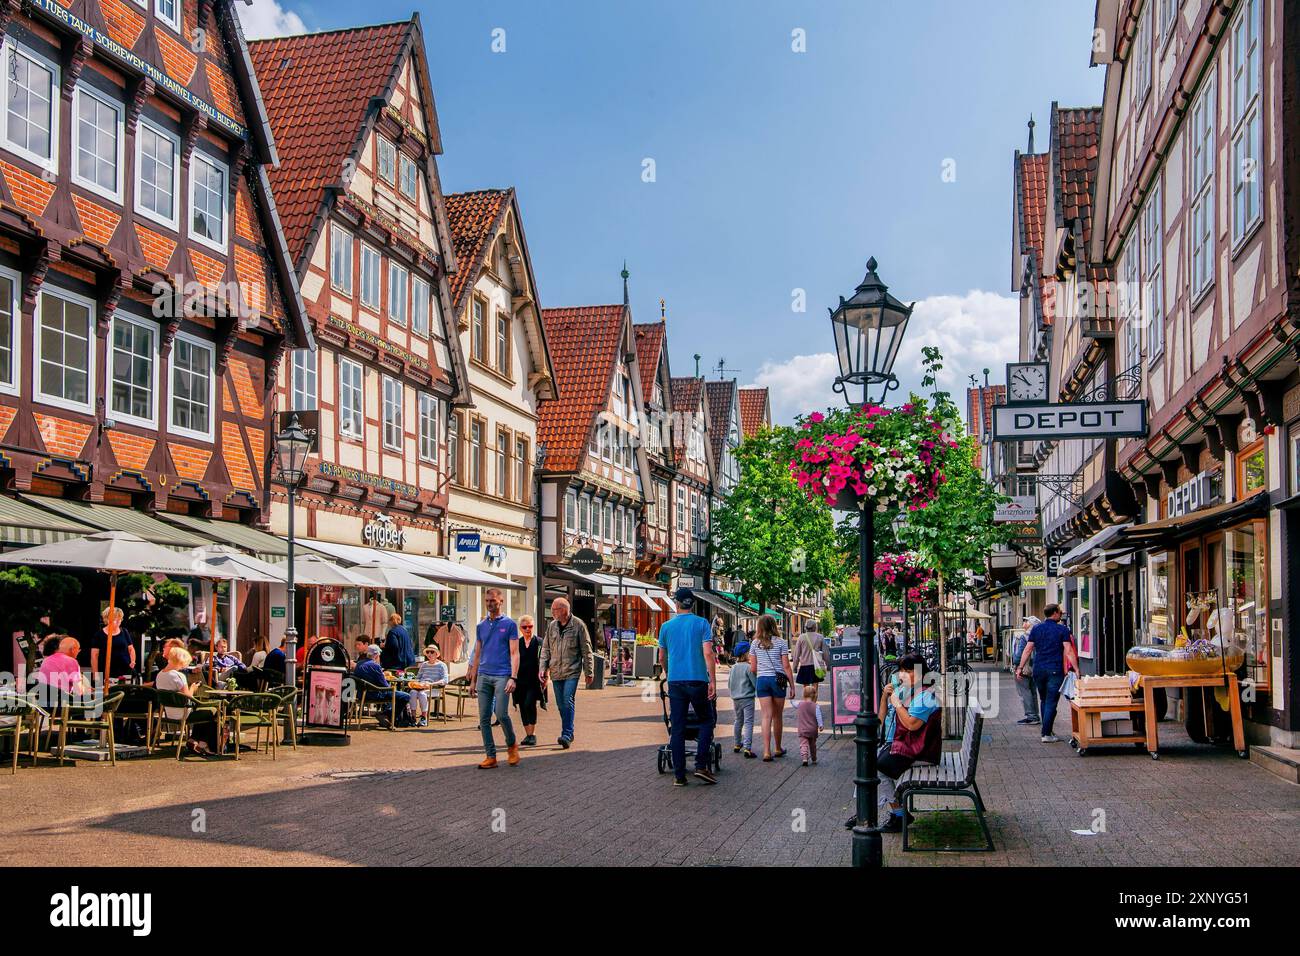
809	723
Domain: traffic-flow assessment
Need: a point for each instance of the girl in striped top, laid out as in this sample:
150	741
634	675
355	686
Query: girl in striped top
769	656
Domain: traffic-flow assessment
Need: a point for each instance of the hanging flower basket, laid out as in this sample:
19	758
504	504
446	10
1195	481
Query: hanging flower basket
892	458
899	574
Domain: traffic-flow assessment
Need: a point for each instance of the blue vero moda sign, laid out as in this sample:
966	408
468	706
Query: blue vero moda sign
468	542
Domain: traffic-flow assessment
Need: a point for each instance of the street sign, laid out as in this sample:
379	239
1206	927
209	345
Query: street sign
586	561
1078	420
277	611
468	542
1019	508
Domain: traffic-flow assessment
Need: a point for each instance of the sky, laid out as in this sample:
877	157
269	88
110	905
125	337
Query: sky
746	157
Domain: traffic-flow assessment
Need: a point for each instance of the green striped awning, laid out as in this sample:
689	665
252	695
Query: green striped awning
21	524
103	517
265	546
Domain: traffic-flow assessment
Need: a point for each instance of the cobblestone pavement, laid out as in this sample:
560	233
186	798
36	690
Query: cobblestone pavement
415	797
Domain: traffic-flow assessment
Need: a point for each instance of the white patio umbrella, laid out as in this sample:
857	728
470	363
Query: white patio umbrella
221	560
379	575
114	552
315	571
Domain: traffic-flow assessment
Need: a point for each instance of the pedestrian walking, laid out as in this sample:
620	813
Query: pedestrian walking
1025	682
566	653
686	653
528	689
1051	645
808	723
740	682
769	655
809	658
493	672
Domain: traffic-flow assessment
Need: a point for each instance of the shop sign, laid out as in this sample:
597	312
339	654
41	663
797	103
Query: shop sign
447	614
468	542
1033	580
495	554
1076	420
1023	532
1019	508
1054	556
277	612
586	561
1192	495
383	532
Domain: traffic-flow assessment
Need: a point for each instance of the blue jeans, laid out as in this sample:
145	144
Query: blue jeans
492	697
565	692
695	695
1049	692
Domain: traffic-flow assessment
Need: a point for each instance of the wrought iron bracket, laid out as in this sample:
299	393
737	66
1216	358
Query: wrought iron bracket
1069	488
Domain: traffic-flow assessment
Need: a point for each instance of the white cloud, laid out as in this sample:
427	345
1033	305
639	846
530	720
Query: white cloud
268	18
974	331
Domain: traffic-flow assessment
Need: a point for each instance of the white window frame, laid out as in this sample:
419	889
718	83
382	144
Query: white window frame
404	163
300	370
1169	10
402	299
211	349
197	158
1130	303
501	342
14	386
1142	60
151	421
428	428
1204	138
1153	298
11	47
352	399
380	154
83	91
1247	122
570	510
421	296
174	222
609	521
39	394
370	252
393	399
173	21
341	245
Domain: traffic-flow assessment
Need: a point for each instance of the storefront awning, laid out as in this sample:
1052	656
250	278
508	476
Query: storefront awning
103	517
265	546
436	569
609	586
1079	558
22	524
576	575
1171	530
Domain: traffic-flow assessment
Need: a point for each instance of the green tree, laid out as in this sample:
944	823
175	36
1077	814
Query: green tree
767	534
846	603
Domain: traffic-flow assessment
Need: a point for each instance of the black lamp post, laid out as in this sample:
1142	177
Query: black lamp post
868	329
620	556
291	448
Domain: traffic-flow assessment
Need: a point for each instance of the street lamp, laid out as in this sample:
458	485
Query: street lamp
291	448
868	329
620	554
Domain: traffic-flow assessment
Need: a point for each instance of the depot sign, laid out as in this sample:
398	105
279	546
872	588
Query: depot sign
1081	420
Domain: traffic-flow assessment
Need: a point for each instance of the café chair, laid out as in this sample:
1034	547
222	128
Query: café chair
255	712
140	703
20	715
289	706
107	707
174	700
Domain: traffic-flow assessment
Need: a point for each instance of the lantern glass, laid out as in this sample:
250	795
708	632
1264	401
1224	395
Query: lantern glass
868	331
291	448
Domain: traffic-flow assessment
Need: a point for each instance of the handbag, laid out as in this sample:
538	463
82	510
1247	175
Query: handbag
923	745
818	669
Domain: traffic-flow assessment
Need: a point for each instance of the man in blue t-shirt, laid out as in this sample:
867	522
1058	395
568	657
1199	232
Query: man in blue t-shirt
1052	646
686	652
493	670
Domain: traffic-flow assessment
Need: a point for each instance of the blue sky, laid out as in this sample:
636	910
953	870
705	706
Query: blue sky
774	170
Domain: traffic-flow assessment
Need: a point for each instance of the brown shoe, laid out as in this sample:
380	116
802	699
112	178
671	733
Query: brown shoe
512	755
489	763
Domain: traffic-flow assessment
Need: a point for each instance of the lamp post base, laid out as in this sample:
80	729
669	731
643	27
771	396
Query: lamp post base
867	851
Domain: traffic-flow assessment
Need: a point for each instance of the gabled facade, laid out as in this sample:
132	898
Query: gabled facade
655	533
755	410
1197	191
724	436
146	297
367	228
690	497
494	449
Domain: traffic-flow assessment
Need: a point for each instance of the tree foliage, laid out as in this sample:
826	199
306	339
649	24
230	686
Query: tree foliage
767	534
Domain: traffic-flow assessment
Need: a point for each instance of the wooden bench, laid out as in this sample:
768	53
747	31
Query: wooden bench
952	776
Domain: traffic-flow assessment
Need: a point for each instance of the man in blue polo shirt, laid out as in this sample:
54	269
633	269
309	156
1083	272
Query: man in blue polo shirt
1052	646
686	652
493	670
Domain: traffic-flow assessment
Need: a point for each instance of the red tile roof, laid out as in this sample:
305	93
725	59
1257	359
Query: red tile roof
1032	174
686	401
317	88
979	414
584	343
473	218
1076	148
650	338
754	410
719	395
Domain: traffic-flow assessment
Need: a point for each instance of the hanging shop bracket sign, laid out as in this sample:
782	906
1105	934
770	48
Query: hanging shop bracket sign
1078	420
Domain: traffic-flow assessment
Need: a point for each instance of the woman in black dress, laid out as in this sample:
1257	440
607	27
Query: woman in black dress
528	688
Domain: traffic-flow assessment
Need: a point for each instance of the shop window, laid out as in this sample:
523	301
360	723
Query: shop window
1252	471
1246	552
1158	622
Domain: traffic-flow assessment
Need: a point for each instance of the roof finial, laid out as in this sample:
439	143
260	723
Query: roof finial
1031	133
663	309
697	364
624	274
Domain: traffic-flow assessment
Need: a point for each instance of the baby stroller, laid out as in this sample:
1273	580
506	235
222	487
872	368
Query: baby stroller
665	756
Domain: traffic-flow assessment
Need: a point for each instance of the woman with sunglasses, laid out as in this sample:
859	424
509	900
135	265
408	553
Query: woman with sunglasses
528	687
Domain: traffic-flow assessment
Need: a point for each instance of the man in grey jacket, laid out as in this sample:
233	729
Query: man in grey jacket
1025	685
566	652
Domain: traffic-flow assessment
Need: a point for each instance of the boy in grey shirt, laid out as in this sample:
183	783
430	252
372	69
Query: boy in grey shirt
740	682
